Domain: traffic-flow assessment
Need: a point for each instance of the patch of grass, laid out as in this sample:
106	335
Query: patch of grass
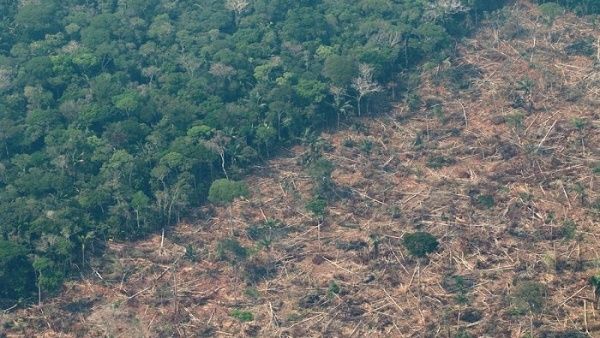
550	11
190	253
529	296
258	270
439	113
243	316
485	201
267	232
420	243
438	162
231	250
460	285
317	206
596	206
348	143
321	169
418	143
462	333
414	102
366	146
395	212
526	197
461	298
515	120
582	46
457	283
596	169
333	289
549	260
550	217
568	229
517	311
252	292
579	123
564	334
595	282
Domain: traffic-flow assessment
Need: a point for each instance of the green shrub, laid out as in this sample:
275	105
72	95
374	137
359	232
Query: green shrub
224	191
515	119
49	274
333	289
485	201
17	277
321	169
267	232
579	123
257	270
252	292
551	11
568	230
190	253
231	250
595	282
395	212
596	169
437	162
564	334
462	333
529	296
243	316
348	143
460	285
366	146
596	206
420	243
414	102
317	206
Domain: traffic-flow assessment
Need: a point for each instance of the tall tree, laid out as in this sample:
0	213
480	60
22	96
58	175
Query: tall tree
364	84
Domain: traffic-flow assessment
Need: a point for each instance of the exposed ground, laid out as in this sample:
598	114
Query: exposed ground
500	160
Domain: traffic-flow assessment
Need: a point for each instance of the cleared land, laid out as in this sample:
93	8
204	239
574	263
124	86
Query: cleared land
499	159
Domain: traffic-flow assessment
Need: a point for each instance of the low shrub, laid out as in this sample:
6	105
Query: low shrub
420	243
529	296
224	191
243	316
231	250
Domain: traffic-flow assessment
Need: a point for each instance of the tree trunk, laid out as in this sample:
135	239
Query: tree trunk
39	288
222	154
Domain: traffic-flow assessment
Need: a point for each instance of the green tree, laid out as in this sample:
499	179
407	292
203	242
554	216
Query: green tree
17	277
340	70
224	191
36	19
48	275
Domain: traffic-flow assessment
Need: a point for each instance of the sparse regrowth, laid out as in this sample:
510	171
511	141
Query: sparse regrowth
243	316
529	296
317	206
231	250
420	243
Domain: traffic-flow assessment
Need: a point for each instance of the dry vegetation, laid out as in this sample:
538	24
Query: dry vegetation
500	161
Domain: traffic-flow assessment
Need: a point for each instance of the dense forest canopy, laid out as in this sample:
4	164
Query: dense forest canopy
117	115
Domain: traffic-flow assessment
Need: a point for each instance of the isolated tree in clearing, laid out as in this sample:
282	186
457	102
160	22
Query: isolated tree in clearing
364	84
